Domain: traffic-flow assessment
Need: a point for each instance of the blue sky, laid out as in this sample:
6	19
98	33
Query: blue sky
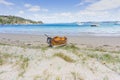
57	11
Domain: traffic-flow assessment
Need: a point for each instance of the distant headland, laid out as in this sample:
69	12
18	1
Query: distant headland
17	20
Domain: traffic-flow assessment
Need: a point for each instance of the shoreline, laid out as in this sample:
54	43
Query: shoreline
110	42
81	34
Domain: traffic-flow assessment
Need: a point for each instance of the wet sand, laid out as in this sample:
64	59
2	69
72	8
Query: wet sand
81	41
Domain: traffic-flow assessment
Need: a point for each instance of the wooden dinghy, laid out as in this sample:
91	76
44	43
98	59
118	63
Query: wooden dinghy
56	41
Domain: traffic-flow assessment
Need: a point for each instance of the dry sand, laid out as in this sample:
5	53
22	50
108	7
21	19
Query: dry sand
27	57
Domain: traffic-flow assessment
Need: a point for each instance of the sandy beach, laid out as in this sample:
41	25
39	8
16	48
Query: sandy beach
81	41
28	57
59	39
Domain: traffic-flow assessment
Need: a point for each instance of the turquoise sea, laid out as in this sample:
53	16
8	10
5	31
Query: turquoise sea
102	29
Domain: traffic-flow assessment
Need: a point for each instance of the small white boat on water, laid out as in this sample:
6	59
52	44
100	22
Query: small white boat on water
79	23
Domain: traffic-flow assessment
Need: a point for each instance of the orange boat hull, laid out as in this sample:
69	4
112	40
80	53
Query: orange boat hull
58	41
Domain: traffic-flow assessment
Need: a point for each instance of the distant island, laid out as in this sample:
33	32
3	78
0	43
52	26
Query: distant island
17	20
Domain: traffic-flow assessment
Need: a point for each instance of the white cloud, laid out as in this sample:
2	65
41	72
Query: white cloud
84	15
4	2
53	18
27	5
21	12
104	5
80	4
34	8
65	14
90	1
45	10
83	2
98	10
95	11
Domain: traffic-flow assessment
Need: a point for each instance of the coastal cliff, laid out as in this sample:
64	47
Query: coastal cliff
17	20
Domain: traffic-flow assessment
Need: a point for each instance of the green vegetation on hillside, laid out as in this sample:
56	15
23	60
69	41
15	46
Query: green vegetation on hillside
16	20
